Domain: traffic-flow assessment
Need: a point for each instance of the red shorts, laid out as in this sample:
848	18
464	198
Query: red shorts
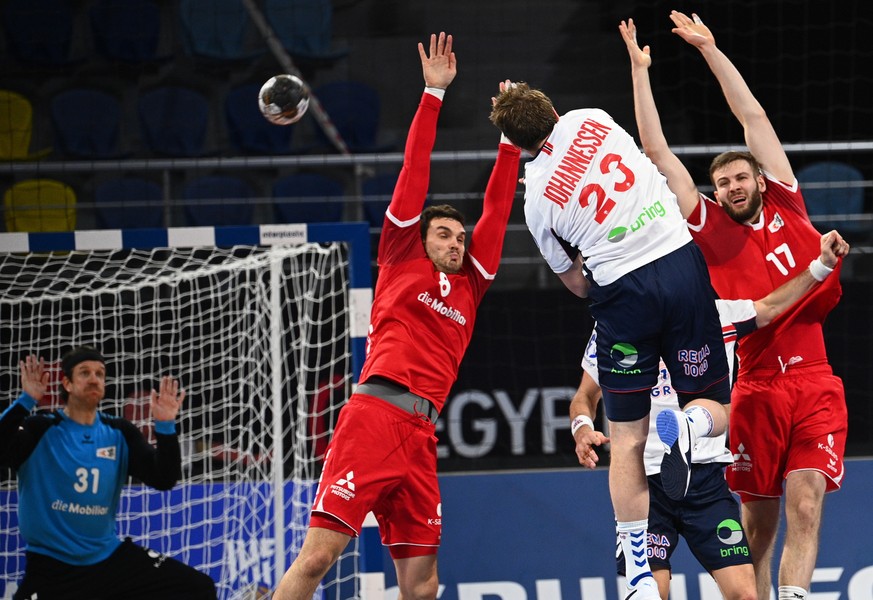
382	459
785	422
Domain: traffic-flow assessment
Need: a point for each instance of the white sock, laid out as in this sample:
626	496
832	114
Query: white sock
791	592
633	536
700	419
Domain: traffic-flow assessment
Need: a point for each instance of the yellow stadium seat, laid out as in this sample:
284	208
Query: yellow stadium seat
16	128
37	205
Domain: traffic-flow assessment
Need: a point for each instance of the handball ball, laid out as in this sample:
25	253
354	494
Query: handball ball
283	99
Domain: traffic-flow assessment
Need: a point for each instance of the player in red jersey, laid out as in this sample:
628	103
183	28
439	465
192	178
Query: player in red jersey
382	457
755	236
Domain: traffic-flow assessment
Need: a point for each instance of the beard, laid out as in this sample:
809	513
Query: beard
447	266
749	211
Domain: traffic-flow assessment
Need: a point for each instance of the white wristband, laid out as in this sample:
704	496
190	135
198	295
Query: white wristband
438	92
578	422
819	270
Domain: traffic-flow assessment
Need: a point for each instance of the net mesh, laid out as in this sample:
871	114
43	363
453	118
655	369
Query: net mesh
258	338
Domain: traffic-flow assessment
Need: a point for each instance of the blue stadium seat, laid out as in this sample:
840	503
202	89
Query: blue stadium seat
249	131
39	33
127	30
216	29
377	192
305	28
129	203
86	123
355	109
831	188
216	200
322	196
174	121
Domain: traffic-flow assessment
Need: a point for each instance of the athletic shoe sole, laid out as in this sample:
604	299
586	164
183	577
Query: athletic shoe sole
645	591
675	433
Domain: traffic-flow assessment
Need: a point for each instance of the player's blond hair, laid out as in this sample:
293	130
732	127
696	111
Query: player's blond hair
526	116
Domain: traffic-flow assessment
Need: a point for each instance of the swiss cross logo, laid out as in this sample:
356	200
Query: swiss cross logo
776	224
108	452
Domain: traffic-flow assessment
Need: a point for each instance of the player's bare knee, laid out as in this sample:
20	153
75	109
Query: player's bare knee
804	516
421	590
315	563
743	594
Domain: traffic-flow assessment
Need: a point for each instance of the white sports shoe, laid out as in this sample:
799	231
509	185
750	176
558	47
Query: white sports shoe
645	589
675	433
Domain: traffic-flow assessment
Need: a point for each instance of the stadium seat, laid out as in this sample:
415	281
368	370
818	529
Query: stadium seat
127	31
16	128
38	205
830	188
216	200
86	123
129	203
248	130
39	33
377	192
305	29
216	29
322	196
355	109
174	121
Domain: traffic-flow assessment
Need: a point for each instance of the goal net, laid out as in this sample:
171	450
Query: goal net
260	339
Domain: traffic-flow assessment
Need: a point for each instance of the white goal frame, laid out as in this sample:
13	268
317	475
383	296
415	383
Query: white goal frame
355	235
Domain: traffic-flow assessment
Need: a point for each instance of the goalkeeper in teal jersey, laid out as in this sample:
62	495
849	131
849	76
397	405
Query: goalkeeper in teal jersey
72	465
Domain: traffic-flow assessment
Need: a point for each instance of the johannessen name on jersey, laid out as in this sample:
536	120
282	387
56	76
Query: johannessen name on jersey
591	188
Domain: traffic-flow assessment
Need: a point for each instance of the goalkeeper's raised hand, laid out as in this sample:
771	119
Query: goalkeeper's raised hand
34	377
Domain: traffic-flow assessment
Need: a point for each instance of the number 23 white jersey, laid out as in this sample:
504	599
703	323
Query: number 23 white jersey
593	188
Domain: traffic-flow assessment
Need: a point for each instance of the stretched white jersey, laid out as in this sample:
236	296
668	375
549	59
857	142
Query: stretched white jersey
737	319
591	188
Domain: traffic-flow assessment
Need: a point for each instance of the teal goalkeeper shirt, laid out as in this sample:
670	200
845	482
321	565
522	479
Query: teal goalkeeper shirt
70	478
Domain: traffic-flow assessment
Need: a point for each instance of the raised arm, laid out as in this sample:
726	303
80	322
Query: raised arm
649	123
439	67
760	136
833	247
159	467
486	243
34	382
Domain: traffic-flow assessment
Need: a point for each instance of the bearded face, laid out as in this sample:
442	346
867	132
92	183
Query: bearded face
738	191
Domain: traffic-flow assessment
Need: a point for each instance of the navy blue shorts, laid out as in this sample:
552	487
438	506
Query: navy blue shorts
665	309
708	518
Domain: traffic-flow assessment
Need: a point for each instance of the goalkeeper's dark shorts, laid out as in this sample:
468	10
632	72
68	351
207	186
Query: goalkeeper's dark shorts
130	573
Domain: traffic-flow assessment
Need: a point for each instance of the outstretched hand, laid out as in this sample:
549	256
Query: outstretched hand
34	377
833	246
439	65
166	403
691	29
586	440
502	87
640	57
